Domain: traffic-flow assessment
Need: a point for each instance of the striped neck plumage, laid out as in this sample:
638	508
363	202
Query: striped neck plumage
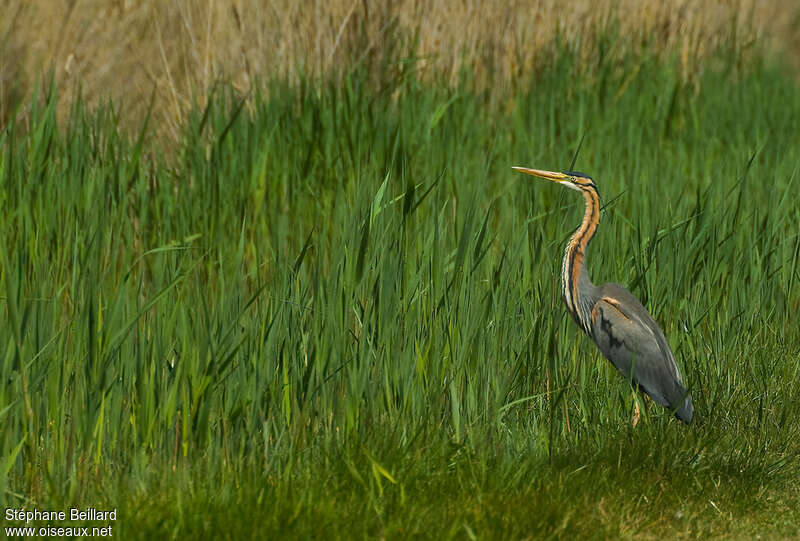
575	281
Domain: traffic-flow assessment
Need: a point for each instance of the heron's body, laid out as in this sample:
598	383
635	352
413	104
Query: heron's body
623	330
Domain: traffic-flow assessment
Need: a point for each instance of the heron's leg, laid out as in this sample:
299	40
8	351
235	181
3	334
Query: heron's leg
637	413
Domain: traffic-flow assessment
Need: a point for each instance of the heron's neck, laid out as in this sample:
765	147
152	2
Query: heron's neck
575	281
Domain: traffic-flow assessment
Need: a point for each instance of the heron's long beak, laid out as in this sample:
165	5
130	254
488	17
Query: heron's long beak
549	175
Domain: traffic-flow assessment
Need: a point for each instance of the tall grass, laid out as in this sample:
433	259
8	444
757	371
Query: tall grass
177	49
337	312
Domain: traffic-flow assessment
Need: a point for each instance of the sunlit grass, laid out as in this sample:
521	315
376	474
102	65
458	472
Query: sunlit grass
337	313
161	55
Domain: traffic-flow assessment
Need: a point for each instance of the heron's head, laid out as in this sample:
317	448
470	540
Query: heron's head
570	179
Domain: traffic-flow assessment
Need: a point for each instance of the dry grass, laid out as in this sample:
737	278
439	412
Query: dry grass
124	49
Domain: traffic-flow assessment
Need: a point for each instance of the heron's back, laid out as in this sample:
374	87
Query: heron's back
629	337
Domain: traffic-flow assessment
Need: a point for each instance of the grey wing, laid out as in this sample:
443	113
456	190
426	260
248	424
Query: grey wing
629	337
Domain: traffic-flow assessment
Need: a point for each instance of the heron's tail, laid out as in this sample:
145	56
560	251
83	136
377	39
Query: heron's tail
686	411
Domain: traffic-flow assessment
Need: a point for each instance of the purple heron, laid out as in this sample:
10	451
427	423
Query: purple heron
624	332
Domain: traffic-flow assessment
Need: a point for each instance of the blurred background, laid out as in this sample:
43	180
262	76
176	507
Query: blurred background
175	50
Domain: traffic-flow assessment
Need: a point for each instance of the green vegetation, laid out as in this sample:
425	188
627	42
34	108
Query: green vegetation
334	311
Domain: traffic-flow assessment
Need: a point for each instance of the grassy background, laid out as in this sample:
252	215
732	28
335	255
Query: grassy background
172	52
332	309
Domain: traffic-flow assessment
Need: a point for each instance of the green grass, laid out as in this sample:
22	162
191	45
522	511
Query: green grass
334	311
